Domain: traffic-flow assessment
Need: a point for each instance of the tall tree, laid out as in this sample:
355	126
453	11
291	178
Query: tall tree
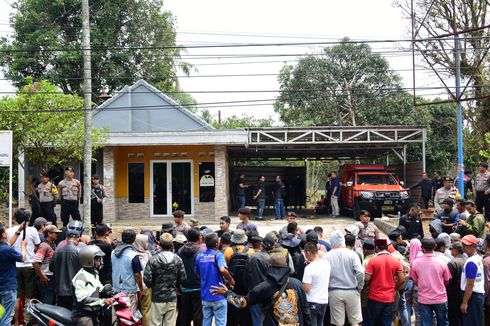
47	126
347	85
437	17
131	40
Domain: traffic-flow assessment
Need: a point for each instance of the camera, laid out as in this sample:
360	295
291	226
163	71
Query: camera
22	215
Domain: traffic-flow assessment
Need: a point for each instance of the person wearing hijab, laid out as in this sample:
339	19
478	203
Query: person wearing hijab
140	245
411	292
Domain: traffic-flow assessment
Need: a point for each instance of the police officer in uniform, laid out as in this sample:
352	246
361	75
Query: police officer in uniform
98	196
46	192
69	192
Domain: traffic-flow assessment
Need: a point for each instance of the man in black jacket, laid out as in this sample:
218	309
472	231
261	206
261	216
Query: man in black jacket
413	224
266	293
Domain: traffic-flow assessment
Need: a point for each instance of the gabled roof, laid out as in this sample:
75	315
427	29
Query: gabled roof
143	108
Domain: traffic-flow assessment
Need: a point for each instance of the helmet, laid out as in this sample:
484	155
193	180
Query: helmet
75	225
88	254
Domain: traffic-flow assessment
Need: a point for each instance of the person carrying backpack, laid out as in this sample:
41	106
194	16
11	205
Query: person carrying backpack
283	297
236	257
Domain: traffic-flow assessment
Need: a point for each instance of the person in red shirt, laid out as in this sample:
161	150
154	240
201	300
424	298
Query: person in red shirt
384	274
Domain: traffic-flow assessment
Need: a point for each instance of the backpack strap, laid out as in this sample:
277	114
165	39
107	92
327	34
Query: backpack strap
275	298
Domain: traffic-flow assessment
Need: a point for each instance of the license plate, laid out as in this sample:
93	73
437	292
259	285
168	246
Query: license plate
387	208
388	202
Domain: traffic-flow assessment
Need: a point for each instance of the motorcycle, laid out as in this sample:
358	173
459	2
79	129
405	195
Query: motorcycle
124	313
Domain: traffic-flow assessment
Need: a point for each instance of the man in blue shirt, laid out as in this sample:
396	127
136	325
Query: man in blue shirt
8	271
335	191
426	187
211	268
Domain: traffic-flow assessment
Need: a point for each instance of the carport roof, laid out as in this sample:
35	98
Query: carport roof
327	142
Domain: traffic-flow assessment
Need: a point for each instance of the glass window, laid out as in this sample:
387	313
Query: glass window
376	179
136	182
206	182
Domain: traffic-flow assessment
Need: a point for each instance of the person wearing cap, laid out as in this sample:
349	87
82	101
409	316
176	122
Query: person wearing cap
446	192
472	283
9	256
277	279
482	190
69	190
426	186
431	274
385	275
346	282
212	270
369	230
291	217
44	254
179	241
26	276
163	274
97	198
413	224
65	265
312	236
256	271
46	192
454	294
441	249
447	215
239	244
190	288
486	271
40	223
474	224
315	282
180	227
245	224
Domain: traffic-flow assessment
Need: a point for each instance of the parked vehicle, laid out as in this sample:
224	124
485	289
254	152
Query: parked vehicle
371	187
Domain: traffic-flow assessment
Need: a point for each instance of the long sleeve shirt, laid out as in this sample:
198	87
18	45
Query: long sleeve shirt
87	289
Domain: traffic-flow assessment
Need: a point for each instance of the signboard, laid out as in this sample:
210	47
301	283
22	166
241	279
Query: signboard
6	157
5	148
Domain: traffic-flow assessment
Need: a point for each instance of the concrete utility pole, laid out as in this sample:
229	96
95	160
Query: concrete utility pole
87	109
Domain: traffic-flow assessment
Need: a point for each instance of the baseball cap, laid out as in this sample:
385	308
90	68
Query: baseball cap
455	236
447	178
40	221
180	238
312	236
368	244
469	240
52	228
268	242
352	229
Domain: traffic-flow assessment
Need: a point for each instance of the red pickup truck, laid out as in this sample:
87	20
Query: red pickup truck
371	187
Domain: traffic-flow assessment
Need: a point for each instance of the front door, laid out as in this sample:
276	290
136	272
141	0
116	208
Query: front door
171	187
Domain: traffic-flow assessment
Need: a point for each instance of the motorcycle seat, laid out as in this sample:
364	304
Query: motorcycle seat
60	314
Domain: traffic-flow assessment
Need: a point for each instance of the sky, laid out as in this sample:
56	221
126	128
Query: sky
211	22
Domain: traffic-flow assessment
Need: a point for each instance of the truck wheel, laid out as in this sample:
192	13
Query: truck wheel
356	210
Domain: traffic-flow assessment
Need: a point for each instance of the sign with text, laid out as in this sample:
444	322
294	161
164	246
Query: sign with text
5	148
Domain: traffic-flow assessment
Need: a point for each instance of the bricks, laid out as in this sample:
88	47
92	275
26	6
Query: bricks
110	210
221	181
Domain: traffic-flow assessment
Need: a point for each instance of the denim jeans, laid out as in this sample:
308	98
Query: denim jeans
427	314
317	313
405	306
474	317
7	300
279	209
240	201
46	293
260	207
256	312
216	309
378	313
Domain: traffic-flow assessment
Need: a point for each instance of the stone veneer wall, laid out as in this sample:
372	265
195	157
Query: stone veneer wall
204	211
132	211
221	181
110	209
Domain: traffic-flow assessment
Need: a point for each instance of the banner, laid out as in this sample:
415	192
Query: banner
5	148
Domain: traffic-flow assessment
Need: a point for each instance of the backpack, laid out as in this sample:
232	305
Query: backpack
285	309
238	265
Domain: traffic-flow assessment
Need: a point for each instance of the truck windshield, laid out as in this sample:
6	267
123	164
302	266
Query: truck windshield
376	179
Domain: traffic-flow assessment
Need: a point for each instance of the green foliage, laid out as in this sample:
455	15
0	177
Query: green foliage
347	85
485	152
130	40
47	139
234	121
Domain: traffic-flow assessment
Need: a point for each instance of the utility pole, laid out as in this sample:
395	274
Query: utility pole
87	109
457	74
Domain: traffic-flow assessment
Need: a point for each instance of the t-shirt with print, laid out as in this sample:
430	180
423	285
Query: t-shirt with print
207	266
33	240
383	269
44	255
317	273
473	269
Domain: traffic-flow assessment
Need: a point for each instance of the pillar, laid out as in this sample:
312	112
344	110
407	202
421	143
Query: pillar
109	183
221	181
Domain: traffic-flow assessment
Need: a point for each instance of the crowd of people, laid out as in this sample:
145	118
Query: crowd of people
183	275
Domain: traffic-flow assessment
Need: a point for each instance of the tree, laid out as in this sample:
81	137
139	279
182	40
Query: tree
234	121
346	85
130	40
471	16
47	126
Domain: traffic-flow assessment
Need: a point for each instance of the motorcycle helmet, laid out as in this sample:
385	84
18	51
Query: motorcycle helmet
75	225
88	254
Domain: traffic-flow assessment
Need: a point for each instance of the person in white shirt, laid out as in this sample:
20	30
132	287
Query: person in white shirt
472	283
315	282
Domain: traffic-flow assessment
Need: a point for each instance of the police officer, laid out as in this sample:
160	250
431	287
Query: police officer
46	192
98	196
69	193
